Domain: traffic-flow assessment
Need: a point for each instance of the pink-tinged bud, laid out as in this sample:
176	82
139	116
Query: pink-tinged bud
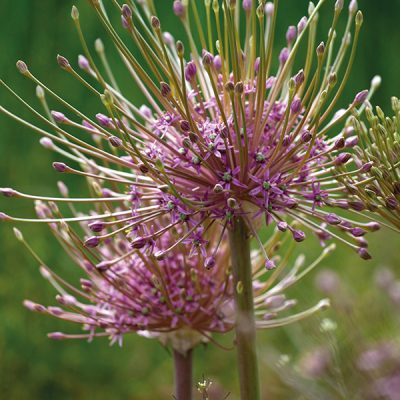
286	140
104	120
31	306
353	7
190	70
349	131
40	93
339	5
342	158
217	62
247	4
144	169
339	144
179	8
284	55
361	242
299	78
126	11
88	125
22	67
356	205
168	39
209	262
66	300
296	105
56	336
257	64
145	111
321	49
333	219
351	141
58	117
301	25
60	167
282	226
96	226
8	192
115	141
269	9
363	253
165	89
358	232
83	63
103	266
159	255
4	217
63	62
298	235
275	301
391	203
360	98
373	226
75	13
185	126
86	285
306	136
47	143
208	59
367	167
269	265
155	22
56	311
291	203
91	242
139	242
291	34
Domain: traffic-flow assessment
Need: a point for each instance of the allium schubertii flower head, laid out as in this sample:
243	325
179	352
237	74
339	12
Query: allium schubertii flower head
226	131
373	179
175	300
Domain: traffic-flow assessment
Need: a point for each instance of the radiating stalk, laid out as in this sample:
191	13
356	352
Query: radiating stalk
244	304
183	375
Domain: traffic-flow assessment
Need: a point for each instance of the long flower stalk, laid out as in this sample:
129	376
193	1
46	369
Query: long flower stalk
245	323
183	375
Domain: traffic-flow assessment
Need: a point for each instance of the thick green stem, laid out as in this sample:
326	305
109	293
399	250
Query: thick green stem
245	323
183	375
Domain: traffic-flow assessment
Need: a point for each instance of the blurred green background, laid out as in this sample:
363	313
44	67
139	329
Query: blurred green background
33	367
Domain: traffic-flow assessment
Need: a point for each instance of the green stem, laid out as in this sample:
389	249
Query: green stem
183	375
245	323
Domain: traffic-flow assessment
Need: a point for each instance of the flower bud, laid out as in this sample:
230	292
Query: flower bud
60	167
298	235
91	242
22	67
63	62
360	98
165	89
179	8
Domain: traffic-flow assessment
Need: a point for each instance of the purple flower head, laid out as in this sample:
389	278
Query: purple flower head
225	135
176	298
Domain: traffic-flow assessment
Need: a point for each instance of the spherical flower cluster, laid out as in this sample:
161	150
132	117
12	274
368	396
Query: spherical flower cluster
373	179
175	299
222	136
